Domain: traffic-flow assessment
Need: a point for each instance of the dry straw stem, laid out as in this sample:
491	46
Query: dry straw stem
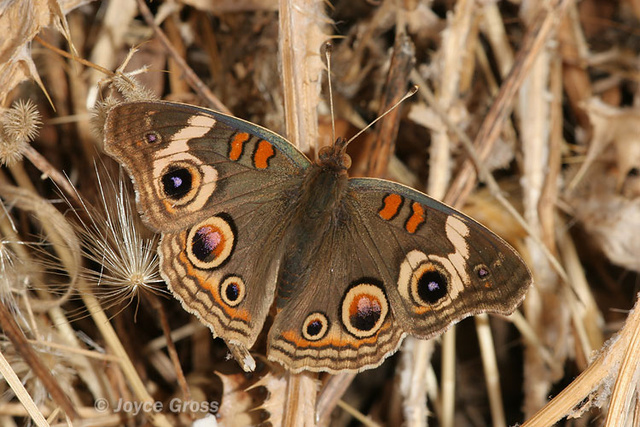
299	407
448	381
48	170
56	228
616	364
14	333
453	59
414	371
358	416
552	328
113	341
574	51
302	34
380	146
171	347
537	35
194	81
584	307
330	394
16	385
490	365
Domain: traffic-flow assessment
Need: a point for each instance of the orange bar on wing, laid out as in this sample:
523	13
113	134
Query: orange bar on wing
416	219
392	204
263	153
237	145
211	286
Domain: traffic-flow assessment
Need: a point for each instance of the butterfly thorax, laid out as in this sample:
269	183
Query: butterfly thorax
322	191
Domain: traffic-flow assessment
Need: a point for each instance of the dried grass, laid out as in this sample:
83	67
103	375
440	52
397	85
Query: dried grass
536	98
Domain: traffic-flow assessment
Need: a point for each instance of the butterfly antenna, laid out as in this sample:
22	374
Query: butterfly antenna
328	47
408	95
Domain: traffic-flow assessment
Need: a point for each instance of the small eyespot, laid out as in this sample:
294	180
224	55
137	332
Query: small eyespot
232	290
315	326
482	272
429	284
177	182
152	138
211	242
364	308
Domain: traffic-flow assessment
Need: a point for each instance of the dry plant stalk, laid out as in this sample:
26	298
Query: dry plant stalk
546	90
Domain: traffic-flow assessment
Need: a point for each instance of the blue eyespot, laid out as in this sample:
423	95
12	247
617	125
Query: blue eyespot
314	328
232	290
152	138
177	182
482	271
432	286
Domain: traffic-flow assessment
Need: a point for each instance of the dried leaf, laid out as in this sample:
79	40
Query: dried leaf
20	22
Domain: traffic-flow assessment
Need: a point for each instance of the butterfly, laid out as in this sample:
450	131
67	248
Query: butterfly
253	229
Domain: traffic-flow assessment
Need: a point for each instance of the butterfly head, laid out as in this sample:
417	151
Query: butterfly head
335	157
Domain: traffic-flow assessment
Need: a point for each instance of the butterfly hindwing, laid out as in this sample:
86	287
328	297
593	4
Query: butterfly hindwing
336	315
223	269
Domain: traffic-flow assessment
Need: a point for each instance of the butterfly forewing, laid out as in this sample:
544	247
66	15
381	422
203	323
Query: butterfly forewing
441	266
185	159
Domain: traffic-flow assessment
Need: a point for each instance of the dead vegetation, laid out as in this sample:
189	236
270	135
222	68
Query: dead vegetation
536	98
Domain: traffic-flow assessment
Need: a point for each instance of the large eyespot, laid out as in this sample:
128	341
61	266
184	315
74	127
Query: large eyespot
177	182
364	307
315	326
211	242
181	182
429	284
232	290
